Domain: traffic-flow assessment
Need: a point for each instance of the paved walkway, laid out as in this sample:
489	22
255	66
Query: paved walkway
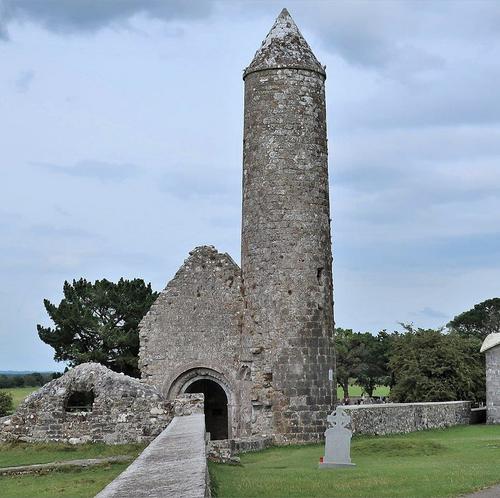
173	465
493	492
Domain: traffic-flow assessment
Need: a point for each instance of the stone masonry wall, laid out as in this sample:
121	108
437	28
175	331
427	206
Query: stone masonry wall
124	410
393	418
493	385
193	330
286	253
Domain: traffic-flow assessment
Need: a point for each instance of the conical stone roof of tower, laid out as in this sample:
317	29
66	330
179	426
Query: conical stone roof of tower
284	47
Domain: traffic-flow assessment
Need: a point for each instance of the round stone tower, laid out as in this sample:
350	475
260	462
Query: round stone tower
286	246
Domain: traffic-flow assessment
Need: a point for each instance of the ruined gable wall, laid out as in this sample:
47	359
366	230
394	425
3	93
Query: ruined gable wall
124	410
195	322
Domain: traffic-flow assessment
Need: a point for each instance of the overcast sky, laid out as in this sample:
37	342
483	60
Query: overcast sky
121	143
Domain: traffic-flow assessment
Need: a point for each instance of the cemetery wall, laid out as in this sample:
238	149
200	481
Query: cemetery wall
393	418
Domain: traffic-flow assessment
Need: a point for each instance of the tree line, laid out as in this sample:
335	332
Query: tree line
33	379
417	364
99	322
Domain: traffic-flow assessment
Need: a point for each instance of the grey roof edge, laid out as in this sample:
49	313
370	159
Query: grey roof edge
491	341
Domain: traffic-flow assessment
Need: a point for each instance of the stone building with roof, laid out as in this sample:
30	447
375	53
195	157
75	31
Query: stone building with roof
491	349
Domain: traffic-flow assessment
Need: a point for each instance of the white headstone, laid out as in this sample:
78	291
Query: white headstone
338	441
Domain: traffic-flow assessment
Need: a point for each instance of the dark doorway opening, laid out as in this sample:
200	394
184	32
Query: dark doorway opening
215	407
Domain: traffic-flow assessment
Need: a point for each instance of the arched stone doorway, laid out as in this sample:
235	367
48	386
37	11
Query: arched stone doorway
216	416
221	411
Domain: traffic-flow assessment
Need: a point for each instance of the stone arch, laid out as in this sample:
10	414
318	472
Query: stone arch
202	376
215	406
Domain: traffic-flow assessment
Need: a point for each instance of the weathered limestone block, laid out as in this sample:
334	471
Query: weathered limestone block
124	410
393	418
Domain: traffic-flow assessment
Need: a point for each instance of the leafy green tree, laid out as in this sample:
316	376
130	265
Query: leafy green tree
99	322
374	364
6	405
431	366
349	352
480	321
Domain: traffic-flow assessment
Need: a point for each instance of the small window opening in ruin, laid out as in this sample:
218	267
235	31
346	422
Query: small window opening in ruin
80	401
289	292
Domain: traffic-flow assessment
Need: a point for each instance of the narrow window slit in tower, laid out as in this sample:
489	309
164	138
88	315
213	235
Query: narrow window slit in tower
319	274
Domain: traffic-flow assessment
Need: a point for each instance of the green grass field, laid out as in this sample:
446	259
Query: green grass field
19	393
69	483
433	463
355	390
13	454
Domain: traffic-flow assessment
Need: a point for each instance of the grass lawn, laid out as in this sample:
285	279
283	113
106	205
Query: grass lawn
432	463
13	454
356	390
18	393
69	483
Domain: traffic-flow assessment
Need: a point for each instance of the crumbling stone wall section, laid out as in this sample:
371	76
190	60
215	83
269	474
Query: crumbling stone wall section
193	330
493	384
124	410
286	245
394	418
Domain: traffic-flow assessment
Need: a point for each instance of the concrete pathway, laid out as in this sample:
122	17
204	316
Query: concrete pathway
493	492
173	465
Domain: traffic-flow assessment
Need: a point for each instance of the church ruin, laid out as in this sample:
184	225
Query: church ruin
258	341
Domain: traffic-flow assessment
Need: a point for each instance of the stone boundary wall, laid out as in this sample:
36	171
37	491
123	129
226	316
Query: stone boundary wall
174	464
393	418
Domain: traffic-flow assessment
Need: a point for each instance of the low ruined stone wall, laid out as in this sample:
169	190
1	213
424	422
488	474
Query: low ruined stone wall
226	450
124	410
392	418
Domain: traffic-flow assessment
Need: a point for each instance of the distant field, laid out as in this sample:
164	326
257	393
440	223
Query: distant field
19	393
358	391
